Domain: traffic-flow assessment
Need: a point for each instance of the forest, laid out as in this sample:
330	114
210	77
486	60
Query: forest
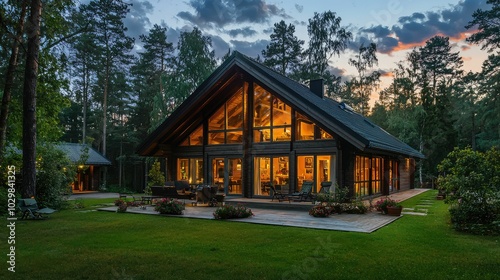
70	73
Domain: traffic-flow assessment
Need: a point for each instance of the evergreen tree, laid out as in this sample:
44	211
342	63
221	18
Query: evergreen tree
285	50
111	47
361	87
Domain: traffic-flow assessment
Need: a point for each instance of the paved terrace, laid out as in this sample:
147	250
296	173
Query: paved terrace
282	213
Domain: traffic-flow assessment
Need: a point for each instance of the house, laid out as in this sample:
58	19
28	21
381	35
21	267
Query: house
89	169
246	127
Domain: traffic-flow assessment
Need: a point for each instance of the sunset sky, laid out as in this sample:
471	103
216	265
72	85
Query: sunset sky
397	26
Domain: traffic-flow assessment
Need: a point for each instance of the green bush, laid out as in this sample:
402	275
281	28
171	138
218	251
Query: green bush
156	177
472	182
232	212
169	206
55	173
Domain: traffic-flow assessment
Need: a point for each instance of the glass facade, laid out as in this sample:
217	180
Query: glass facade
367	176
273	121
225	126
271	171
190	169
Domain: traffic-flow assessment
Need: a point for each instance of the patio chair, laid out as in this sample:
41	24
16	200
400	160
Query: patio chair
276	194
29	208
304	194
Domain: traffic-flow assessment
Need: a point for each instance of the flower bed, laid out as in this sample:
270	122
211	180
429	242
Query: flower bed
169	206
232	212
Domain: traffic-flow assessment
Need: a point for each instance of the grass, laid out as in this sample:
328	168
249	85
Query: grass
85	244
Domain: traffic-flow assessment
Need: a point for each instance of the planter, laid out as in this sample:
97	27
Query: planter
394	211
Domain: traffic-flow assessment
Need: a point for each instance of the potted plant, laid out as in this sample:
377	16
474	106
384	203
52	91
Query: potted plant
385	203
394	210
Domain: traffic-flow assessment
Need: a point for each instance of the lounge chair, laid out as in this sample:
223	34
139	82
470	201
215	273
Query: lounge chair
29	208
276	194
304	194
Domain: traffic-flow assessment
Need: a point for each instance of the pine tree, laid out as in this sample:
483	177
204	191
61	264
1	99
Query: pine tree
285	50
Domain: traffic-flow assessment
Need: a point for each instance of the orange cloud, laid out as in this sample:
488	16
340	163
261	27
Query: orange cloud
460	37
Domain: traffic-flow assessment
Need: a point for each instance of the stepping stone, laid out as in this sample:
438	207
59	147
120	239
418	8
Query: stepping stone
425	206
414	213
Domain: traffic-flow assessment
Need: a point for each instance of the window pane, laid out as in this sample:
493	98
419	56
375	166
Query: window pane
235	111
282	113
261	135
305	169
262	107
325	135
196	138
215	138
182	168
282	134
234	137
216	121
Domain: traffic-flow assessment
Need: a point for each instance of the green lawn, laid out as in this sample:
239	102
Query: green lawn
84	244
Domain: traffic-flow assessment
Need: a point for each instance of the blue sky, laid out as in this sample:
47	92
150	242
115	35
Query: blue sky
397	26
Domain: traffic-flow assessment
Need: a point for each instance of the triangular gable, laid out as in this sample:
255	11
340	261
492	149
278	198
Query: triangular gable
352	127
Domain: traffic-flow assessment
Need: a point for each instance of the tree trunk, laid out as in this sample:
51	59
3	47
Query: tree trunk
29	101
9	78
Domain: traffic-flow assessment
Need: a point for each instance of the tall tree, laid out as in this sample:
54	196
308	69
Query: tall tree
194	62
285	50
361	87
29	100
440	70
111	44
326	39
9	75
488	23
149	73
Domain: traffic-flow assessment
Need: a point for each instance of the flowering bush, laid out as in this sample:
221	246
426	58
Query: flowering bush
383	203
232	212
320	211
169	206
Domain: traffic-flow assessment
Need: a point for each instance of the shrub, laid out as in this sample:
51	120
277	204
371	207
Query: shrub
169	206
383	203
156	177
356	207
55	173
232	212
472	183
320	211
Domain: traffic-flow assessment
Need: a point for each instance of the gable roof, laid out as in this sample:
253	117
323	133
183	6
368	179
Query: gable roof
348	125
74	152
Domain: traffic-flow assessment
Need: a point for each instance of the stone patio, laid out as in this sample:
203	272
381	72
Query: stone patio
365	223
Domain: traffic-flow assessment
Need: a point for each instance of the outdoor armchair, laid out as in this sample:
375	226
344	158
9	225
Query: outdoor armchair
29	208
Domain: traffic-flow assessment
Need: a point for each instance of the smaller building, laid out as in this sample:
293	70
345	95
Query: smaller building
89	173
247	127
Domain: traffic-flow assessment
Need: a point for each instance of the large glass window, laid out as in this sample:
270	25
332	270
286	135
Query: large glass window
367	176
307	130
227	175
190	169
225	126
271	170
393	175
376	169
195	138
305	170
317	168
272	117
